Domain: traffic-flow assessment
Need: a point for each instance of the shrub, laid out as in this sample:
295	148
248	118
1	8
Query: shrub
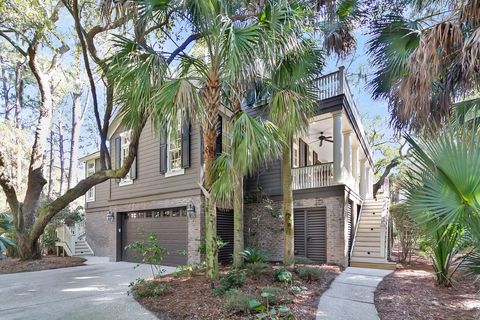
232	280
302	260
310	273
237	301
189	270
282	275
150	252
276	295
143	289
251	255
255	269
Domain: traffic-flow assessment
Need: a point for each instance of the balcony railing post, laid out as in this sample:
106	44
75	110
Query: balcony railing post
341	80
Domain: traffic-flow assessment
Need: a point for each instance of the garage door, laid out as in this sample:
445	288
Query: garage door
170	227
310	233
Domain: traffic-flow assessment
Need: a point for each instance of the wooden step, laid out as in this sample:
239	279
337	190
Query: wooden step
373	265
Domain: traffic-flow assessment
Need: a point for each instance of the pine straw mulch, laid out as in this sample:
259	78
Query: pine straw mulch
192	298
411	293
47	262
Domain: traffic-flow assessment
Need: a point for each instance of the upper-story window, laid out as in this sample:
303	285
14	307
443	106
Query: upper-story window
90	196
295	153
125	144
174	149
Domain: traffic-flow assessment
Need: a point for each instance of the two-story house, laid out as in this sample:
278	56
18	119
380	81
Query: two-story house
332	178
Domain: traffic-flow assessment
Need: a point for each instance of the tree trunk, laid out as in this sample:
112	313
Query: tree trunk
27	249
6	100
238	242
212	100
77	120
50	168
61	152
288	253
19	85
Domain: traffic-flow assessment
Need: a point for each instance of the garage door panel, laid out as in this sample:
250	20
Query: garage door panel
169	226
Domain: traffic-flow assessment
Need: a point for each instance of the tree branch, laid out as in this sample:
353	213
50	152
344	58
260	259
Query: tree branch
182	47
14	44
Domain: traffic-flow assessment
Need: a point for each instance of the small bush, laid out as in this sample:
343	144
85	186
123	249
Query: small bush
282	275
277	295
189	270
310	273
236	301
255	269
231	280
302	260
144	289
251	255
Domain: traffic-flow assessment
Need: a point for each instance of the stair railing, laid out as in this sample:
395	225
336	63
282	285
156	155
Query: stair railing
66	239
356	230
384	229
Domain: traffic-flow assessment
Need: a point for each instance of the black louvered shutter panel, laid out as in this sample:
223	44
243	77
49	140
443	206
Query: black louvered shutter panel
301	151
186	143
163	151
307	151
118	152
225	232
218	145
317	234
299	234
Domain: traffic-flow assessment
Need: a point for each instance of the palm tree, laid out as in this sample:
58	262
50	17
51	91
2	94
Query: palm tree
426	62
291	103
252	143
443	187
231	37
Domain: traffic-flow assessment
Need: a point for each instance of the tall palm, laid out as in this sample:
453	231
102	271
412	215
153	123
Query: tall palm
252	143
230	38
292	100
426	61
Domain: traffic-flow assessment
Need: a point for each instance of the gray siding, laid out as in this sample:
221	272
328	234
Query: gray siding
268	179
150	183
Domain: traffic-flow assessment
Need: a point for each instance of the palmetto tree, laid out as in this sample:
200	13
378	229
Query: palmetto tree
252	143
443	188
292	100
427	61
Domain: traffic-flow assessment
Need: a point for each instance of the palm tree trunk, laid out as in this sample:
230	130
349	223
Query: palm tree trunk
238	242
211	95
288	254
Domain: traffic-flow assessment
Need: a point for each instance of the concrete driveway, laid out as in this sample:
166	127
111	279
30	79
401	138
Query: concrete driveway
96	291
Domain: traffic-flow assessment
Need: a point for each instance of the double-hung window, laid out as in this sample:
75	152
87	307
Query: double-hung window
125	144
90	196
174	149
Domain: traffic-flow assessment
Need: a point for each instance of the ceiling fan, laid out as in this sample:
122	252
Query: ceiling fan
324	138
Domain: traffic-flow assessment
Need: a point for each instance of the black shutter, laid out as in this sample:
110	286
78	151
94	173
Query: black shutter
218	144
315	158
118	152
163	151
186	143
301	153
307	151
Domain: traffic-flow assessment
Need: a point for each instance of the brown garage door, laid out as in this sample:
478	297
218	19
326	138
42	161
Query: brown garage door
310	233
170	227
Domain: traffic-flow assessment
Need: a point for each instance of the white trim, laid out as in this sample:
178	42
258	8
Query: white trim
125	182
92	189
89	157
174	173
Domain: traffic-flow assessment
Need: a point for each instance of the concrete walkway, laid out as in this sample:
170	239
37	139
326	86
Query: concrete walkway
95	291
350	297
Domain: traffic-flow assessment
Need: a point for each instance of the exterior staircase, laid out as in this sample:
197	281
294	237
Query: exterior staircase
71	240
370	246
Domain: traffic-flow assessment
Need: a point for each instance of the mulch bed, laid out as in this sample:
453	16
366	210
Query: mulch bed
192	298
47	262
411	293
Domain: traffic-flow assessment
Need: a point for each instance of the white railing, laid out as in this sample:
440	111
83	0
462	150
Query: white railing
312	176
334	84
384	229
357	222
66	239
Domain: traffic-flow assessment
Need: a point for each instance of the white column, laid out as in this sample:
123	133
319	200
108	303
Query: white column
337	147
347	151
363	178
355	167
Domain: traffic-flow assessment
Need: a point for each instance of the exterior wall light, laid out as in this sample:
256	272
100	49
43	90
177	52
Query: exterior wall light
191	210
110	216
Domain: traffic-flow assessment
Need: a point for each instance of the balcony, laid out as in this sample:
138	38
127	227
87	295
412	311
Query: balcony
314	176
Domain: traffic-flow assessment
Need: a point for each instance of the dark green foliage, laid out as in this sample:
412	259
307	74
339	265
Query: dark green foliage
49	239
251	255
143	288
237	301
282	275
6	229
255	269
310	273
232	280
189	270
